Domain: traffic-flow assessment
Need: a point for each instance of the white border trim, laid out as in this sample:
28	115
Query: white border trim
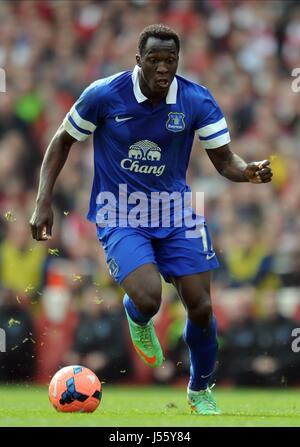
171	97
210	129
72	131
216	142
83	124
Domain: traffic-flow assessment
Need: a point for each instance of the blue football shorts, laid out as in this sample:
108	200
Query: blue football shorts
174	254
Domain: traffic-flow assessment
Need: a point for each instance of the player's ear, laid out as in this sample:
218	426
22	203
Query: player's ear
138	59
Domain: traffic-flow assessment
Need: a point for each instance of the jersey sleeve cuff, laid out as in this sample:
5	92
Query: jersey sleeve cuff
75	133
216	142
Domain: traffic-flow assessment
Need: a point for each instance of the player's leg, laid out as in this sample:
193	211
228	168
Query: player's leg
200	335
142	301
143	293
131	260
186	261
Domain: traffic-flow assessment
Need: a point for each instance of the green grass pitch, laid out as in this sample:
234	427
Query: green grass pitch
28	406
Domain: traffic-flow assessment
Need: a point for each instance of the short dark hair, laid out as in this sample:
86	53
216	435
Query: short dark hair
158	31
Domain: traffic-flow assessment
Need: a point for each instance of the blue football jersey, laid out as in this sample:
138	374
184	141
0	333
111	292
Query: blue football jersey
143	147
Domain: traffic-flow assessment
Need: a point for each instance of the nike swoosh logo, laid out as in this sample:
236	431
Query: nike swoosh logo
120	120
208	257
204	377
150	360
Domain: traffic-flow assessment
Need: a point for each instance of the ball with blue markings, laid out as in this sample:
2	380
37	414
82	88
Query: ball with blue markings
75	389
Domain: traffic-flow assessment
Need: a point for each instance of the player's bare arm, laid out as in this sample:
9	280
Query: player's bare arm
55	157
233	167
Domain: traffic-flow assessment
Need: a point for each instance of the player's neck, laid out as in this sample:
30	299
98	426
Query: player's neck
153	97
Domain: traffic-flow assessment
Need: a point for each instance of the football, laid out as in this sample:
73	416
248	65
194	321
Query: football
75	389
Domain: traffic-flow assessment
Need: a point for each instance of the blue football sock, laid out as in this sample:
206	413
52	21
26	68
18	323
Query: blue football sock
133	311
203	348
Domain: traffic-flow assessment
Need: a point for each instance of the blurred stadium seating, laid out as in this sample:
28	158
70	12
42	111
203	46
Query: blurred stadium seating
244	51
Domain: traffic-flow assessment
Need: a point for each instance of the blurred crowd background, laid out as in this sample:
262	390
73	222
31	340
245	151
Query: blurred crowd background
58	304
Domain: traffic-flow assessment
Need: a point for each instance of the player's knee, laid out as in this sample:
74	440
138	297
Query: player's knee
150	305
201	313
148	302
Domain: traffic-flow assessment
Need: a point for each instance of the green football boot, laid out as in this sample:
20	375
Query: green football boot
145	342
202	402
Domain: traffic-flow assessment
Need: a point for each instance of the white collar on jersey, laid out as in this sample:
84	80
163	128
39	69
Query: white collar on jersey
140	97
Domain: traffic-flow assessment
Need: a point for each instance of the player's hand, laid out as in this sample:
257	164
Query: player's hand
259	172
41	223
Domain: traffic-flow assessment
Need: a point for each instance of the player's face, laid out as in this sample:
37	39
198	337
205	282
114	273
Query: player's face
159	64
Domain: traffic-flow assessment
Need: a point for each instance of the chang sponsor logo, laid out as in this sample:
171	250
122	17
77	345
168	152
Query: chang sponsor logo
144	151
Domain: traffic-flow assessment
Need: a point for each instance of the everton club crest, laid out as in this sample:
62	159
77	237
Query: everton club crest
175	121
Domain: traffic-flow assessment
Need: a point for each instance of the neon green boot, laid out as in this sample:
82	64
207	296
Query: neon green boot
202	402
145	342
